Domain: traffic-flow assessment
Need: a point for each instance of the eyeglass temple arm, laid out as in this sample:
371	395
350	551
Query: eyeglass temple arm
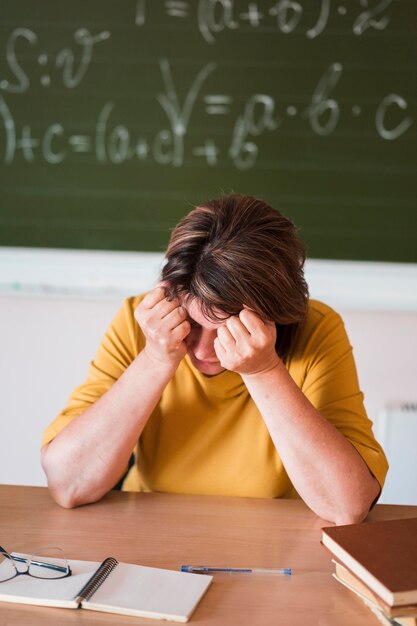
20	559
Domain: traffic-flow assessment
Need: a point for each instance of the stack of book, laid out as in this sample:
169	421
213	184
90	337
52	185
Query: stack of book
378	562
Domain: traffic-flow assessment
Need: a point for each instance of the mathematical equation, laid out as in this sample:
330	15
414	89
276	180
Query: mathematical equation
113	142
72	72
214	17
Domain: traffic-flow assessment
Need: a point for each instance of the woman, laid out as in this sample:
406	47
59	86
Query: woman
224	379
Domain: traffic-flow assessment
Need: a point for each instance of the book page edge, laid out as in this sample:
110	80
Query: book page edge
358	569
90	606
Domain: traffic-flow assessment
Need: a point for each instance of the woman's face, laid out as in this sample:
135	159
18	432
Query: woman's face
200	341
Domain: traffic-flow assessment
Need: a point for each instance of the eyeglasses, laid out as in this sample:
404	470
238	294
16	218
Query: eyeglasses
47	563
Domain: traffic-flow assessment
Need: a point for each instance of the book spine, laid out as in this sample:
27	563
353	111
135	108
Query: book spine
97	579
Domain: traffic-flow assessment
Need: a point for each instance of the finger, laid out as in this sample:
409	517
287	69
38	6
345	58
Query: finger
219	350
238	331
163	308
270	325
174	318
180	332
163	284
251	320
153	297
226	338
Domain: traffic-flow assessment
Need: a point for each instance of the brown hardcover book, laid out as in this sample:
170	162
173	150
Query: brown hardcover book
381	554
349	580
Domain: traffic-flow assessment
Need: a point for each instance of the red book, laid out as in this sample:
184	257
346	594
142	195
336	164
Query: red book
381	554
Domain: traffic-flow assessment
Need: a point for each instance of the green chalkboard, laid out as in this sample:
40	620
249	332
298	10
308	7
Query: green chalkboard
117	116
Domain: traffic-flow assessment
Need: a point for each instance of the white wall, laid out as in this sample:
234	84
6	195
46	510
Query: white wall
46	346
47	342
385	348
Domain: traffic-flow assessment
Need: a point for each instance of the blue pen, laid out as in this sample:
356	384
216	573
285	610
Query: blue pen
203	569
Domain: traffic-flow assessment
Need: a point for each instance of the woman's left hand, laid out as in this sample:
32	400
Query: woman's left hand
246	344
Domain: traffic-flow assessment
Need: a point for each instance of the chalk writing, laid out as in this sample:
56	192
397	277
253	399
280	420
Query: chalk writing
113	142
65	59
322	107
390	101
116	116
217	17
247	117
372	17
177	115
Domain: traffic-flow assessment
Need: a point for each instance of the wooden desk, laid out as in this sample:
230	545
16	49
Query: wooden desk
170	530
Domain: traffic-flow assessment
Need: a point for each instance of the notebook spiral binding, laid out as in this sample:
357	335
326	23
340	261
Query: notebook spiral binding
98	578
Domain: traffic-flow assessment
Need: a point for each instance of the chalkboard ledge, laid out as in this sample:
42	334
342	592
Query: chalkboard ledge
345	285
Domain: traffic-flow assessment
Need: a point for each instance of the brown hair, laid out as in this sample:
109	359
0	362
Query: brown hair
237	250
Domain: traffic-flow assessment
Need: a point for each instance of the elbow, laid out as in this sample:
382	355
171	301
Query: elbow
353	512
344	516
62	489
350	518
359	510
65	500
359	506
67	496
61	493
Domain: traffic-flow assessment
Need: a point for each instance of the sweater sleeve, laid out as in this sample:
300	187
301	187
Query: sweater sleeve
120	345
331	384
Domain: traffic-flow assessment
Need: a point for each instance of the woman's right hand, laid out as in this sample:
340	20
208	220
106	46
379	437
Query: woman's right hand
165	326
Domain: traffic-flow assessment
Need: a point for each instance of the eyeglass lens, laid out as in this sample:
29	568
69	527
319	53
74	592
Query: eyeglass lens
47	563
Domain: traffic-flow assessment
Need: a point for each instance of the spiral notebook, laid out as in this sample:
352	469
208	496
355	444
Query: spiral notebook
114	587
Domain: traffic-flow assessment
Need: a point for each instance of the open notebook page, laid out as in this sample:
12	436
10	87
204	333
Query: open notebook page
59	592
149	592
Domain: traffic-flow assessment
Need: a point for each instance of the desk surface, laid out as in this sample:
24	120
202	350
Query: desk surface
169	530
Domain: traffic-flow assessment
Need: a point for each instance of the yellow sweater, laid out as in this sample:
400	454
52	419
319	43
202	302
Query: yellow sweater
206	435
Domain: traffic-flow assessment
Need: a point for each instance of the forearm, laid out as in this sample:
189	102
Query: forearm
88	457
327	471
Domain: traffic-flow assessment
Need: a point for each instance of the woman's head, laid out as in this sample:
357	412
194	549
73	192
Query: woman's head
236	251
